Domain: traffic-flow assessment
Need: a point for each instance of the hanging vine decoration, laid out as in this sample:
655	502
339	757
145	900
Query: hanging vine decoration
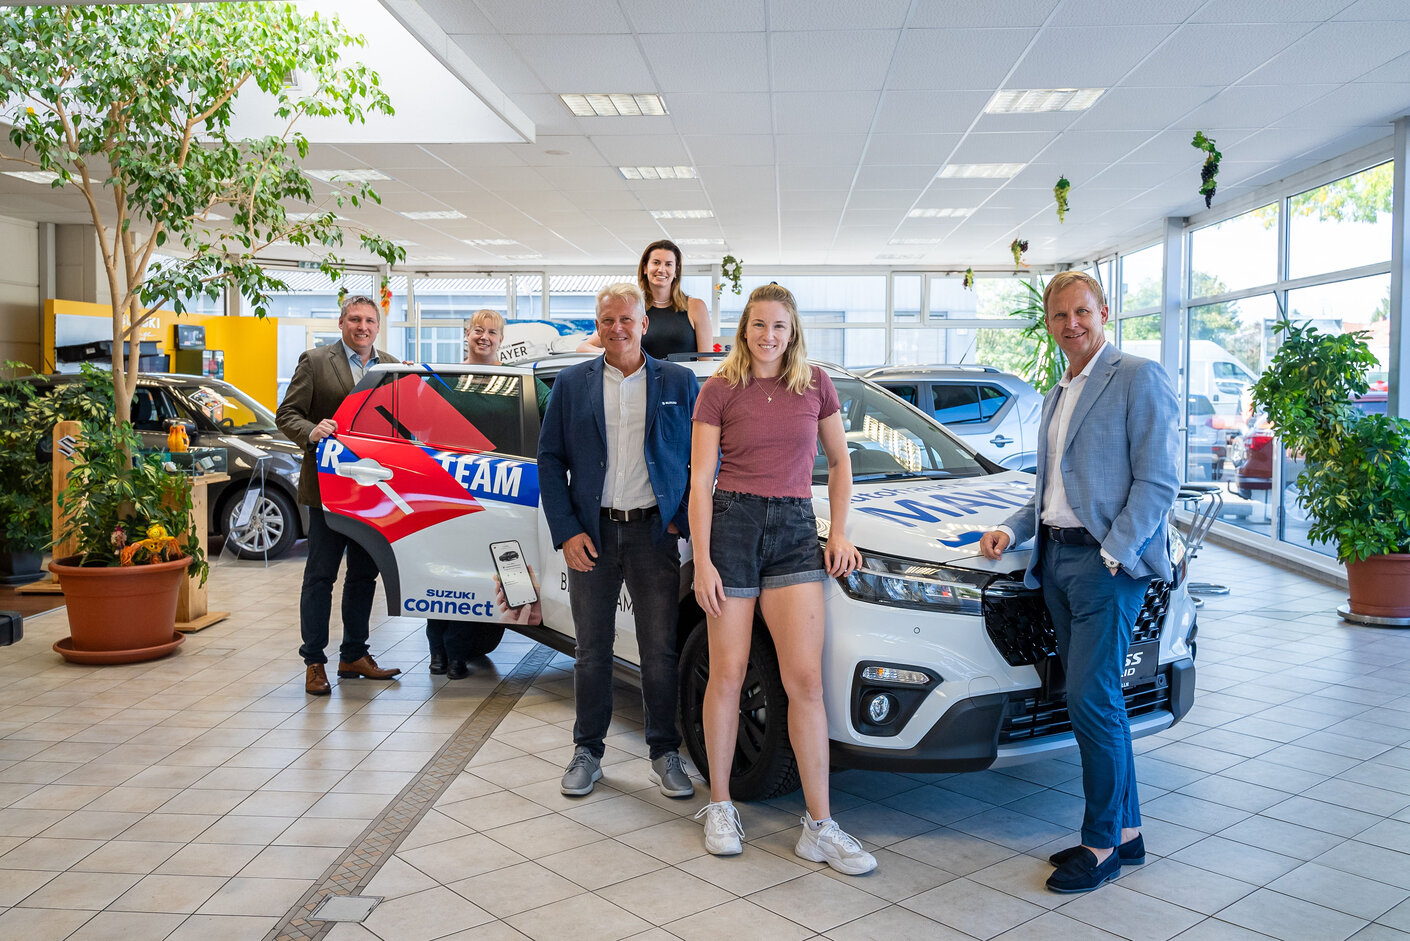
732	269
1210	170
342	294
969	279
384	294
1018	247
1060	191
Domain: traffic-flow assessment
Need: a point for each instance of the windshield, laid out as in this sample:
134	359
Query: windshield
232	410
886	440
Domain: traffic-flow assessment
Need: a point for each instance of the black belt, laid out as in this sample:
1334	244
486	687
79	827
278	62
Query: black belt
1070	535
629	516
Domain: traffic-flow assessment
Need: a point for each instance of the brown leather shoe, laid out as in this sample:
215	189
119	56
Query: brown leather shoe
316	680
365	667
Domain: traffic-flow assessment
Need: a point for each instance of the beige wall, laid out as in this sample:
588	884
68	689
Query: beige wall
19	291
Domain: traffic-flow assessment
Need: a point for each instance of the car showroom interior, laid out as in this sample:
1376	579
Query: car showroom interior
306	308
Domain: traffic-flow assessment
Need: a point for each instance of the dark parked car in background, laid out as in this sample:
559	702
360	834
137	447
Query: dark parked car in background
225	417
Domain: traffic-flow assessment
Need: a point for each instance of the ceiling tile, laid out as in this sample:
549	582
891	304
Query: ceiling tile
1050	62
631	150
1084	13
837	14
1017	147
957	58
913	149
816	178
1336	52
1214	55
1010	13
707	62
725	149
504	66
819	150
1144	109
912	179
1362	103
656	16
553	16
1286	11
930	112
742	113
818	60
585	63
842	112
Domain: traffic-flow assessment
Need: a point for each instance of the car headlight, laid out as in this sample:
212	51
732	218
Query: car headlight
905	583
1179	554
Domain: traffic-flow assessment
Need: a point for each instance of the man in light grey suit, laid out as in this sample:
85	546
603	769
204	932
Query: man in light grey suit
323	378
1107	477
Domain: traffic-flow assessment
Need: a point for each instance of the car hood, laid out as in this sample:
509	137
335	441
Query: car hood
936	521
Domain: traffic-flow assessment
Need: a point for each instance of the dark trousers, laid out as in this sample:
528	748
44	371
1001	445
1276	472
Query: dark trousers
1093	612
325	553
648	561
447	638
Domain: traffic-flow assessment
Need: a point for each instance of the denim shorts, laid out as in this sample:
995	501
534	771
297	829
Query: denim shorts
764	542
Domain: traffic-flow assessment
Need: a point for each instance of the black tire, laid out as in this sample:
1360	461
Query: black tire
764	765
273	528
474	639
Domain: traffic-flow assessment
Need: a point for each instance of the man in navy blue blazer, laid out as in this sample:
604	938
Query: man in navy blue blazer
1108	459
614	455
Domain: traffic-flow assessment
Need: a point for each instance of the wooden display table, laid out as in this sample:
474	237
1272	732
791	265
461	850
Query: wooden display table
191	612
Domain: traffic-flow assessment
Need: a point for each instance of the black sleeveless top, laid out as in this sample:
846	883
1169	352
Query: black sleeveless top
667	331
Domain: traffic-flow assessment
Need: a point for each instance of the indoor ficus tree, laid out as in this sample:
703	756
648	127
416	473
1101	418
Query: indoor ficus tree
132	106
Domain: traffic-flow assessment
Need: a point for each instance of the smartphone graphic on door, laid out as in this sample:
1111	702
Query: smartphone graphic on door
513	570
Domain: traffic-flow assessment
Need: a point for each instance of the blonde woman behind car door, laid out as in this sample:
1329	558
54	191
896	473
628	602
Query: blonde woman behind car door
759	421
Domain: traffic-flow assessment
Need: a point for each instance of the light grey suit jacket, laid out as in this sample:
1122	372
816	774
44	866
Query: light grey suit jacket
1120	464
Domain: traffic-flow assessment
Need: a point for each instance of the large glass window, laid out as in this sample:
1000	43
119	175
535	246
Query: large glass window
826	305
1237	253
1141	279
1344	224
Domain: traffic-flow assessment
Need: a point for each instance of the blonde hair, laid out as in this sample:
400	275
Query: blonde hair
495	318
1065	279
625	290
679	298
796	374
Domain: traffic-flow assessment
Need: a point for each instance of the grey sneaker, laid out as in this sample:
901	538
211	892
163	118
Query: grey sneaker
583	772
831	845
668	772
723	830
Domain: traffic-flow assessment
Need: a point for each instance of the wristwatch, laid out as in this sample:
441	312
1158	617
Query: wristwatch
1112	565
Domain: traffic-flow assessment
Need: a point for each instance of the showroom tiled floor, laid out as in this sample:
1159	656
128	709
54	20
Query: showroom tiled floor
206	797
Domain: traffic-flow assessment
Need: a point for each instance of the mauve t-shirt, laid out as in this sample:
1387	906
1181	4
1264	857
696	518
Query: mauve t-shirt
768	435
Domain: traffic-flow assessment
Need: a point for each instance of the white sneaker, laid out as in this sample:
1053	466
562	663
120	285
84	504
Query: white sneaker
832	845
723	831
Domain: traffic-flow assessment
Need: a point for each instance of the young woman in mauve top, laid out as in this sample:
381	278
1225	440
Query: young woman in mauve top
675	323
759	419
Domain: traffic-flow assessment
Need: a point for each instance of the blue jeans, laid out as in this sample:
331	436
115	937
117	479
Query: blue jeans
1093	612
325	553
649	562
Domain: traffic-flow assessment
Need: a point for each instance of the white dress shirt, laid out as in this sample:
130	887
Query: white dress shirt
627	485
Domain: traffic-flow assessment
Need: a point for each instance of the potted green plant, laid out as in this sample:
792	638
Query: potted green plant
1355	484
130	518
1045	366
28	414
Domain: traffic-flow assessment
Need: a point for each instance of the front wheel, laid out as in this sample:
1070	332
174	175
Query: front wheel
764	765
272	529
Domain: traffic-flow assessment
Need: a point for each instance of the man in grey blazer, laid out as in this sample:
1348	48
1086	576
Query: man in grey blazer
1108	471
324	377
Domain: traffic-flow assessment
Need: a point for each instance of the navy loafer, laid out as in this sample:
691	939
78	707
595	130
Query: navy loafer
1132	852
1082	873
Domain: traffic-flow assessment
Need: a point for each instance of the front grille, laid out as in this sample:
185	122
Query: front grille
1035	716
1021	629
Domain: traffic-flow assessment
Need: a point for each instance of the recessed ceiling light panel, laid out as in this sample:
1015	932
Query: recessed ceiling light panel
1035	100
896	256
424	214
698	243
915	242
658	173
347	176
682	214
33	176
983	171
941	213
615	105
490	241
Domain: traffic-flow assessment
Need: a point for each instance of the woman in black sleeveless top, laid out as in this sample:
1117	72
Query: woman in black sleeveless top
675	323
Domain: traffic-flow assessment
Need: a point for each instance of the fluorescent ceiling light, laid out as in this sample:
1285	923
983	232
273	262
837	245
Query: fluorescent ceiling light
433	258
528	257
893	256
347	176
404	243
988	171
682	214
305	216
33	176
658	173
490	241
699	241
422	214
945	213
1034	100
915	242
614	105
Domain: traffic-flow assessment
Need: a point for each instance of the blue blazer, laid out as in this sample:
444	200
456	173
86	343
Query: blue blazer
1120	464
573	447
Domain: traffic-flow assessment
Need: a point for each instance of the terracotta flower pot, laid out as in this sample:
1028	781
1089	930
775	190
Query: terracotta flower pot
1380	586
120	614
